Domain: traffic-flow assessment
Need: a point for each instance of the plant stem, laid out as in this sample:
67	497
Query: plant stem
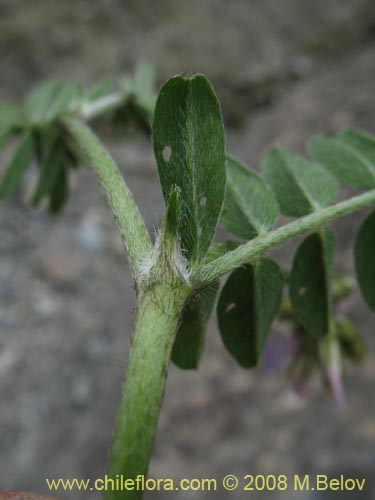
259	245
132	228
157	318
93	109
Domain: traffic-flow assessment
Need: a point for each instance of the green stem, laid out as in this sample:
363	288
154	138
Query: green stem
102	105
259	245
132	228
157	318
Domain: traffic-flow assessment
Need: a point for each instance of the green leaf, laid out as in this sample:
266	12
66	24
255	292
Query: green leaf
52	160
64	101
250	207
300	187
218	249
21	159
350	164
143	84
189	341
170	226
311	282
100	89
364	258
39	101
3	140
362	142
52	99
189	145
247	306
59	191
11	117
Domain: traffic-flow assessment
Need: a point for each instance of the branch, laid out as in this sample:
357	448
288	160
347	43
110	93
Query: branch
132	228
90	110
93	109
261	244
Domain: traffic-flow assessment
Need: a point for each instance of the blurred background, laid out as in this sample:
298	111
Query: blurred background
283	71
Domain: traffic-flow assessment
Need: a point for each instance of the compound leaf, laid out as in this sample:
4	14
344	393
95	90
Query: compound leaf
300	187
21	159
189	145
310	282
247	306
346	158
250	207
188	344
364	258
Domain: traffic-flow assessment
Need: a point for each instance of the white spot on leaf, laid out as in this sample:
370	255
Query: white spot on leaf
167	152
203	201
230	307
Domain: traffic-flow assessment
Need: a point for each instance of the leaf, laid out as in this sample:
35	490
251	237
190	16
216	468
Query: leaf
189	341
3	140
39	101
66	98
52	160
189	145
362	142
100	89
21	159
60	190
143	84
364	259
250	207
349	164
218	249
311	282
300	187
247	306
11	117
52	99
170	229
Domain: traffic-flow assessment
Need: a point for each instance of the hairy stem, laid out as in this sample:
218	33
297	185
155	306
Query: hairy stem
259	245
102	105
133	230
157	318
